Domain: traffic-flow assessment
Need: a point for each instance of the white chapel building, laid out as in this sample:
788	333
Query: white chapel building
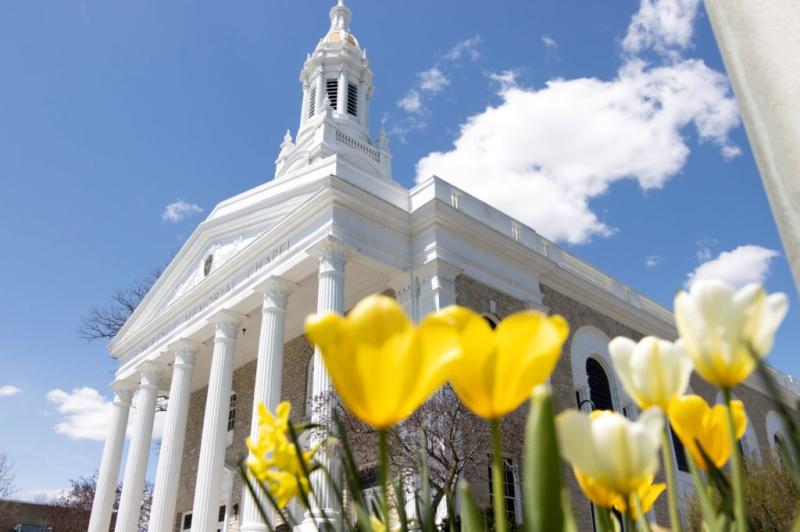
222	329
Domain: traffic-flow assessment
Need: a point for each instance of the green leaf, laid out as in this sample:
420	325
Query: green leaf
542	471
603	520
569	519
471	518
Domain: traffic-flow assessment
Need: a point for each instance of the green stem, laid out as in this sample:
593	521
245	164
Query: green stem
627	520
499	501
738	476
383	449
644	526
669	467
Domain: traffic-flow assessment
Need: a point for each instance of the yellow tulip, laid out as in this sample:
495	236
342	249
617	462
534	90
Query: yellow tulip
693	420
382	366
499	368
617	454
719	325
602	496
274	458
652	371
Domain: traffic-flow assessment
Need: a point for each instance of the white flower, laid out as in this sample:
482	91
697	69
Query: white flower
613	451
653	372
719	326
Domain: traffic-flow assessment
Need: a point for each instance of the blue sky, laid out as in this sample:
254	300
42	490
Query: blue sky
111	111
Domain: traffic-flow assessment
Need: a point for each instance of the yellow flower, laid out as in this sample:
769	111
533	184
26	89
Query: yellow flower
499	368
617	454
692	419
718	325
382	366
274	458
602	496
653	371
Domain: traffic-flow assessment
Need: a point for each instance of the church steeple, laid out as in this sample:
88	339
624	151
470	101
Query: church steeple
334	116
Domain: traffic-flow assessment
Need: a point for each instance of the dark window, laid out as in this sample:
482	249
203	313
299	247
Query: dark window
368	477
207	264
332	88
187	522
680	453
352	99
221	516
490	321
599	387
232	412
509	493
312	101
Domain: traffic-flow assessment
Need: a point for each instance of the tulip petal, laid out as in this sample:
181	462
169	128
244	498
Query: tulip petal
575	440
376	319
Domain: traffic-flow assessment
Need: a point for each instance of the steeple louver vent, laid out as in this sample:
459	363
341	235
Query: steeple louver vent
332	88
352	99
312	101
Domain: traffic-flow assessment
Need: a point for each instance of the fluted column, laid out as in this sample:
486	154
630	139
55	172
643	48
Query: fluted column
165	491
208	490
269	370
330	298
130	502
106	489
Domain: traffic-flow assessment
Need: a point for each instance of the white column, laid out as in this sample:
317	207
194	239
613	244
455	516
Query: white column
269	370
165	491
330	298
130	502
208	490
341	106
321	91
362	103
106	489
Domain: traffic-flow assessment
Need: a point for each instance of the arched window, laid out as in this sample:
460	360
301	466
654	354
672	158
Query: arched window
599	386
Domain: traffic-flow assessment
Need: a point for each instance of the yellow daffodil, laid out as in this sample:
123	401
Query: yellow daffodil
719	325
382	366
499	368
693	420
617	454
652	371
274	458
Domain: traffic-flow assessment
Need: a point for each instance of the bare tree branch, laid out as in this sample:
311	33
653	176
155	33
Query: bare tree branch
105	322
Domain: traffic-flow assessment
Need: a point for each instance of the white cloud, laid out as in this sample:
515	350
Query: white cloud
7	390
180	210
652	261
745	264
411	102
467	47
542	155
665	26
549	42
86	415
432	80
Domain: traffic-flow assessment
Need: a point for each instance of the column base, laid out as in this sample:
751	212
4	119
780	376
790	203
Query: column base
314	522
253	527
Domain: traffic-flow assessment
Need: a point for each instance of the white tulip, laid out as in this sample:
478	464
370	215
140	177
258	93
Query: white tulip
719	326
653	371
619	454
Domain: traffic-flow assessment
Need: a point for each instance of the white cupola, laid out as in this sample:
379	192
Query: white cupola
334	116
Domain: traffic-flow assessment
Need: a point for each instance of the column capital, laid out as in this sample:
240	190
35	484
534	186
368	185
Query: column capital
151	373
124	392
185	351
226	323
276	291
332	254
405	287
